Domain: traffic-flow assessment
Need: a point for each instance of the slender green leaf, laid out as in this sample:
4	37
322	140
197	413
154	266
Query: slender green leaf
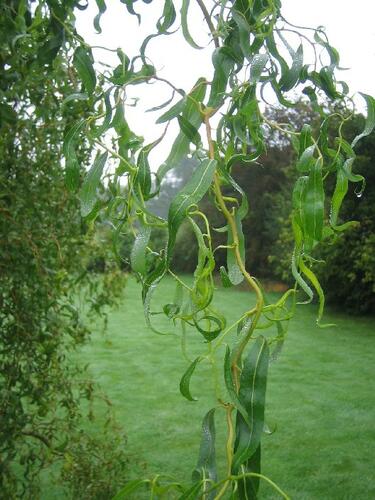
346	147
280	339
252	395
298	199
203	286
122	72
370	119
192	492
313	203
305	139
249	486
171	310
87	194
168	17
337	198
161	106
138	253
206	262
290	78
280	95
327	84
223	65
143	177
102	8
192	113
243	329
315	282
103	127
244	33
286	43
143	75
244	207
149	284
173	112
191	194
185	380
270	41
189	130
306	161
184	24
234	272
347	169
130	487
229	384
206	465
83	62
118	121
129	7
257	66
79	96
332	52
71	162
226	282
165	21
210	333
297	257
242	159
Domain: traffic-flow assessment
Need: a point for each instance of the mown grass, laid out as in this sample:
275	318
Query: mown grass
320	398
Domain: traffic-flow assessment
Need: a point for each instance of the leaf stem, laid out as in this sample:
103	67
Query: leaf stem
277	126
115	154
229	448
208	20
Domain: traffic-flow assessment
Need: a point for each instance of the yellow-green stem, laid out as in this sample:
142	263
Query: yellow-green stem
251	282
229	447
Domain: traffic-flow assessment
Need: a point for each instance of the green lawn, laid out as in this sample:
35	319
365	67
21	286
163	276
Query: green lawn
320	396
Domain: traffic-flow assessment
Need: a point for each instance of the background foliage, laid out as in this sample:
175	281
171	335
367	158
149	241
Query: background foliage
45	256
346	269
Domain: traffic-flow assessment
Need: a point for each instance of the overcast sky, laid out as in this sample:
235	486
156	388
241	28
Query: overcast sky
350	27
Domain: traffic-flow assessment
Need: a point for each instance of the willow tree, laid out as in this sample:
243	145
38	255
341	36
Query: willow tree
255	52
44	257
